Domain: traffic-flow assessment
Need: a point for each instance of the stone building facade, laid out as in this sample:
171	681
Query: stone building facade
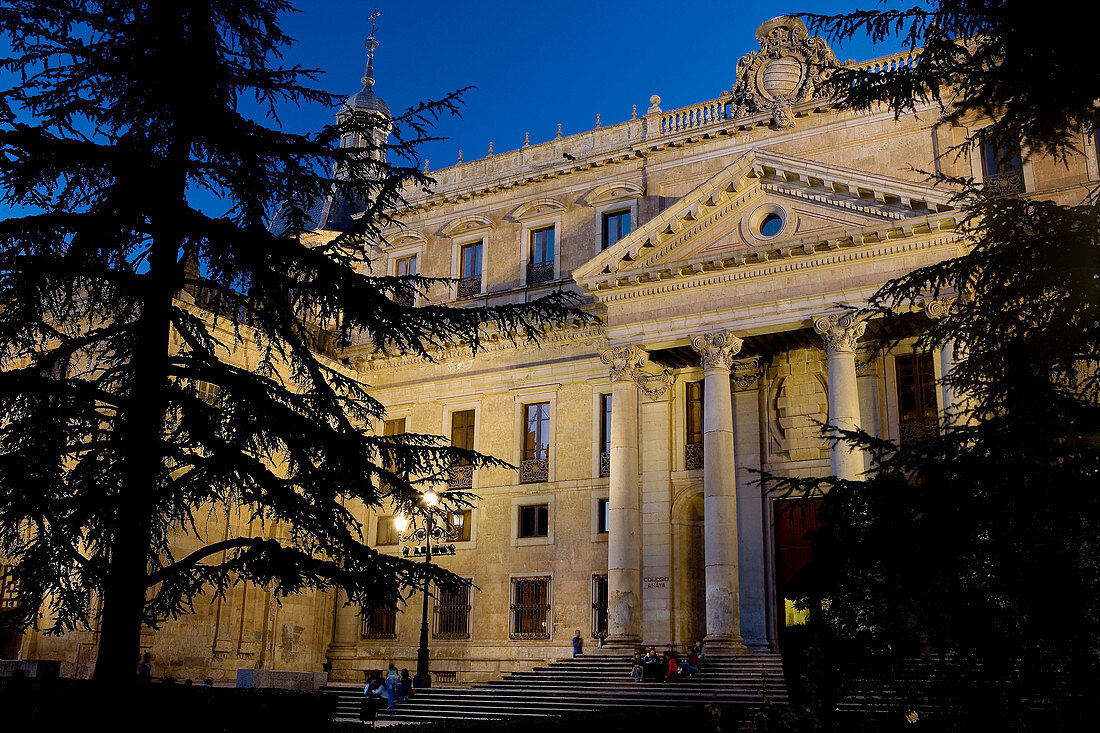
719	244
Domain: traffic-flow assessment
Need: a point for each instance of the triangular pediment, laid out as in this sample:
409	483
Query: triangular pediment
766	205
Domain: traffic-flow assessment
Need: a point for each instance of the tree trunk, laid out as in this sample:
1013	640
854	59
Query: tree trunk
141	430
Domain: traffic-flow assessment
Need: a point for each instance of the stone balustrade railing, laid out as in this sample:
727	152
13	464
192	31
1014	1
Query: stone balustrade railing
543	159
693	116
893	62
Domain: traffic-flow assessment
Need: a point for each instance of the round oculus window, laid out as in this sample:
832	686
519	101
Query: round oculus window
771	225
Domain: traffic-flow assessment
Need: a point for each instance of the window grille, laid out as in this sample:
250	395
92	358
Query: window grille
9	589
452	615
530	609
599	606
381	623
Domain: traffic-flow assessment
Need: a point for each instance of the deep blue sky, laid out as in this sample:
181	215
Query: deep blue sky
534	65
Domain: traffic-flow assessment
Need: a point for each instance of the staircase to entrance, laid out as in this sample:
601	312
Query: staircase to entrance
584	684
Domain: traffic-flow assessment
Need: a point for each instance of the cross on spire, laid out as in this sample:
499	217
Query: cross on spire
371	43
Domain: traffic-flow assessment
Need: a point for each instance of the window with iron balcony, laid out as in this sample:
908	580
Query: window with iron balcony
605	435
918	413
469	283
535	464
540	265
693	450
1002	170
462	436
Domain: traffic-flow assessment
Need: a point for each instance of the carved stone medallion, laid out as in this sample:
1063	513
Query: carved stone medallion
790	67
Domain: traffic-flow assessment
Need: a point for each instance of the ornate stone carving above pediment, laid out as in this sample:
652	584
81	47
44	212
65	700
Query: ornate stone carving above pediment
614	191
790	67
467	224
536	208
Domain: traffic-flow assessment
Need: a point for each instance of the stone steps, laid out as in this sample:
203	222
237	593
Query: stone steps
580	685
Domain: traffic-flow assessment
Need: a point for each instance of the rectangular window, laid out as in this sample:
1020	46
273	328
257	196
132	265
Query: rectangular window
540	266
603	516
406	266
462	523
469	283
616	225
534	521
599	606
381	623
535	465
392	427
452	614
918	414
386	535
693	392
530	609
462	436
1002	170
605	434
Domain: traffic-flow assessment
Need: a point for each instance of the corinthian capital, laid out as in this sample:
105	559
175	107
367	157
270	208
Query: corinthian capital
716	350
840	331
627	364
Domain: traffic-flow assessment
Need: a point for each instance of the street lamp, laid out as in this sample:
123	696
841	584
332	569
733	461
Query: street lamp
427	534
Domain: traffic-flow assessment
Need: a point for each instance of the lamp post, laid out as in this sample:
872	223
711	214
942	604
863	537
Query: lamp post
423	678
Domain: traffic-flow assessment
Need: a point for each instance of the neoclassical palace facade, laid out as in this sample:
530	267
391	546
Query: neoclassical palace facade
720	245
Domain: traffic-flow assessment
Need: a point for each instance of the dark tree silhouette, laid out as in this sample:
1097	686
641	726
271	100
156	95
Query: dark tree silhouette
125	425
980	543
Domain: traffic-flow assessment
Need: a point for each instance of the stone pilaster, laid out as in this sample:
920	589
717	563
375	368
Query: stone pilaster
720	536
343	650
951	404
624	541
840	332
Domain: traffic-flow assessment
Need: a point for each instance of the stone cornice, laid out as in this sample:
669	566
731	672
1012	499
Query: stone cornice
762	264
365	360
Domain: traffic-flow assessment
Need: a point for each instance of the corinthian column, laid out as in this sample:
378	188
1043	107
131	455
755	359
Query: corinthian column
841	332
716	351
624	540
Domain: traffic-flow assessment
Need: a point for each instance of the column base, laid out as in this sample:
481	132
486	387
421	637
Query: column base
725	646
619	644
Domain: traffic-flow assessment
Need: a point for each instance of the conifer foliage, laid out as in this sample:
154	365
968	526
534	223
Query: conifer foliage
125	427
959	583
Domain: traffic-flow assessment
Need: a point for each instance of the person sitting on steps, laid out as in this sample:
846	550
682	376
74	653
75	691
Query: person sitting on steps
652	665
637	670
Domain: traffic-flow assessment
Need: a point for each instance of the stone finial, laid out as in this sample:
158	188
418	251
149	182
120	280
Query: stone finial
527	139
716	350
654	105
559	129
840	331
626	365
459	156
936	308
597	119
425	165
490	148
633	111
